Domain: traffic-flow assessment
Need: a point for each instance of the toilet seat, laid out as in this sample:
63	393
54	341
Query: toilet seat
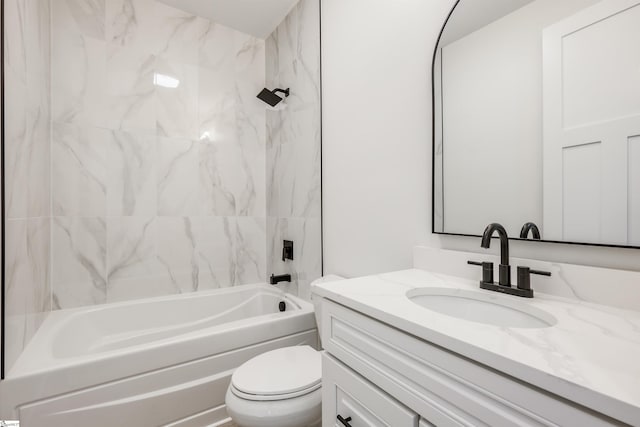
271	398
281	374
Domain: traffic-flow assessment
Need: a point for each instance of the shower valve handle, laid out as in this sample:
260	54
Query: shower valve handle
287	250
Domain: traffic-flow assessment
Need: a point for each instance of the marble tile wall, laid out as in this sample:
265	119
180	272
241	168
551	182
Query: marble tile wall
158	153
27	191
293	148
121	188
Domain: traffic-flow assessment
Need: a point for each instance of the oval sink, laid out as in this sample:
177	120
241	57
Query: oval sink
481	307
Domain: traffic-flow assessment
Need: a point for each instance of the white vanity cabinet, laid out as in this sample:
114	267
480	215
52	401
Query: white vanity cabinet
346	394
381	376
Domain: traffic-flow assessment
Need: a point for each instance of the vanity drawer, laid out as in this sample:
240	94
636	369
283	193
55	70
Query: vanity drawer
346	394
444	388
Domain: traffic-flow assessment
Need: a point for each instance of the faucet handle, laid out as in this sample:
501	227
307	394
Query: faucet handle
524	277
487	270
540	273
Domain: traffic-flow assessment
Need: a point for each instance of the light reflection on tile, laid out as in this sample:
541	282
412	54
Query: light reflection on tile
177	107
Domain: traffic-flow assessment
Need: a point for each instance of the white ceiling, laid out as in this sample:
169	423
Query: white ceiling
256	17
471	15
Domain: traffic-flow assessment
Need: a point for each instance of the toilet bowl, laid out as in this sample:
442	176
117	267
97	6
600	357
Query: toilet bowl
280	388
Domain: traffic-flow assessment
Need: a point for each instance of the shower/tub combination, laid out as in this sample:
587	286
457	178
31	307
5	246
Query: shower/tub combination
149	194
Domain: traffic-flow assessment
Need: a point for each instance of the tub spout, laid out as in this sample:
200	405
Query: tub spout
274	280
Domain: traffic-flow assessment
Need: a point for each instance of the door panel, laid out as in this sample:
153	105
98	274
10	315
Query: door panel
591	92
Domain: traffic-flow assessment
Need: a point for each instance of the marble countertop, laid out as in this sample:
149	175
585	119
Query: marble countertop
591	356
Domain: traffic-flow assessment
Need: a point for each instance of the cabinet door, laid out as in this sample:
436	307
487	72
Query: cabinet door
350	400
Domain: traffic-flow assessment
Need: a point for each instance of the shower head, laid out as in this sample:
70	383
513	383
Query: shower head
270	97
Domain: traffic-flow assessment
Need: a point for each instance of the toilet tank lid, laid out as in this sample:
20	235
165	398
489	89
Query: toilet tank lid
278	372
327	278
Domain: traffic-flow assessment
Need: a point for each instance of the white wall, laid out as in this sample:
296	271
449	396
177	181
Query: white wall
377	142
376	130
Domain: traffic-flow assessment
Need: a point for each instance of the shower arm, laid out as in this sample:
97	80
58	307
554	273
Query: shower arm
285	91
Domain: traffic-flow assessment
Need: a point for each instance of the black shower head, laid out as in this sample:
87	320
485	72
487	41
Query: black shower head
270	97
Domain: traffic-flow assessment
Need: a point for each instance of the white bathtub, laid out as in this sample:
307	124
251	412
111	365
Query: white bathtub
160	361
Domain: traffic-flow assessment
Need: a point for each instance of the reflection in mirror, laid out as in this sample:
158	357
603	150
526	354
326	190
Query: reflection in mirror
537	119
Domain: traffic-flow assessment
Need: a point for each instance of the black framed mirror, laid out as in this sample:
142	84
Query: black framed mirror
537	121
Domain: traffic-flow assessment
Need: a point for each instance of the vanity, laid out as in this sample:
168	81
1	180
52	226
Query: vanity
420	348
536	130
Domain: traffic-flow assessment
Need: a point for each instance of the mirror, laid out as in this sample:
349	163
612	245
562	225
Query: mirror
537	120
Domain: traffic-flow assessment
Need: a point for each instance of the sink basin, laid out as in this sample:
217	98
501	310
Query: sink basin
481	307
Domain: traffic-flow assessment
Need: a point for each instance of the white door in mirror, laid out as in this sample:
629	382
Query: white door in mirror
591	92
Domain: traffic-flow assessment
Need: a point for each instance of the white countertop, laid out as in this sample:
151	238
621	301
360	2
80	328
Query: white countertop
590	356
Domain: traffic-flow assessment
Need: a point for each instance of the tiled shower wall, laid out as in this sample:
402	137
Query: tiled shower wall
118	188
293	147
27	196
155	190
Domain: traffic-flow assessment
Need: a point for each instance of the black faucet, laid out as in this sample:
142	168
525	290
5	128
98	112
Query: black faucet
530	226
274	280
504	271
524	273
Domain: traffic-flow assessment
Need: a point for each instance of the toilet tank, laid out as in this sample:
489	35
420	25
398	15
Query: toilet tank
316	300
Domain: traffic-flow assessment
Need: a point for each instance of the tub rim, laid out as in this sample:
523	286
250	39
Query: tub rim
37	357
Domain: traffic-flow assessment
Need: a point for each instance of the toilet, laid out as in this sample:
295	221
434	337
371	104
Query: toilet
280	388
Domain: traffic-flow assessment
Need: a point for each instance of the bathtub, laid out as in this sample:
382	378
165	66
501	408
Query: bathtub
160	361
